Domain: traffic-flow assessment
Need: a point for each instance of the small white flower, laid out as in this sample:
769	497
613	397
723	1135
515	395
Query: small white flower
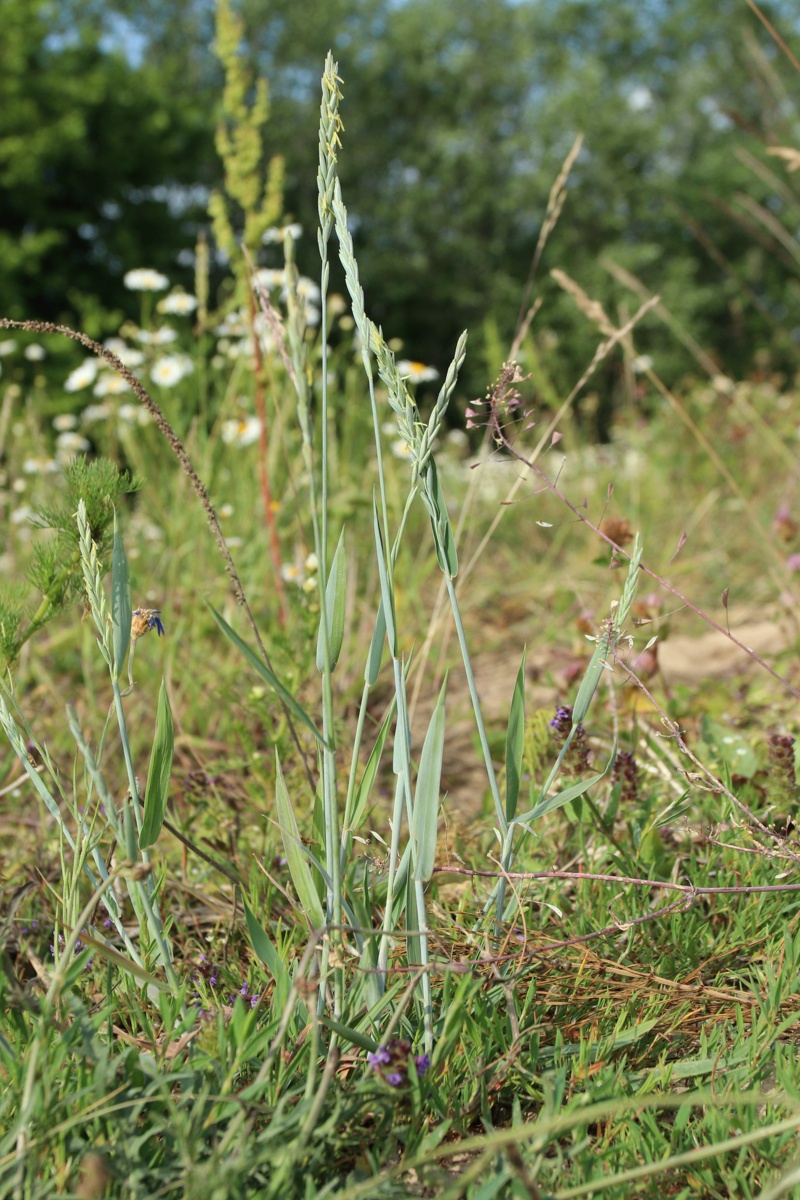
95	412
225	510
129	356
116	345
312	562
642	363
144	279
7	347
416	372
82	376
69	444
307	289
171	369
242	432
401	449
273	235
19	486
157	337
134	414
269	278
40	466
64	422
181	304
234	325
310	584
311	314
110	385
291	573
35	352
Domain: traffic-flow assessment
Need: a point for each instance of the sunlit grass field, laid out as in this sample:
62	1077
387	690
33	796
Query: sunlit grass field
398	788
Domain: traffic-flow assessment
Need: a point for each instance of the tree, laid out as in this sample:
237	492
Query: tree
104	165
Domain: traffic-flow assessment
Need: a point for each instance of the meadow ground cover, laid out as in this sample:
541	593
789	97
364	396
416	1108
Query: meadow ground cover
371	842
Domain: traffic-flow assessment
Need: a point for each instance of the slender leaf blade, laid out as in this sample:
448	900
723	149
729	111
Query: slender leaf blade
157	793
371	770
335	596
426	794
387	595
269	956
267	675
292	847
515	741
121	610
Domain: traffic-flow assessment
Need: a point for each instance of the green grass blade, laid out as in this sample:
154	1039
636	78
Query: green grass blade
373	666
268	676
335	595
571	793
387	595
157	794
269	956
515	741
371	770
293	849
120	601
426	794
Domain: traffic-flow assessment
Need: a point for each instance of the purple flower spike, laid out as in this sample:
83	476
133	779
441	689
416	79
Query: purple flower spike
423	1062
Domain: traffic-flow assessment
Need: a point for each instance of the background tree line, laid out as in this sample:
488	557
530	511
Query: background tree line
457	118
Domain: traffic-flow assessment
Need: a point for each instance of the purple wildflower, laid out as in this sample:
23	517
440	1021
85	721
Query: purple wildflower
394	1079
381	1058
423	1062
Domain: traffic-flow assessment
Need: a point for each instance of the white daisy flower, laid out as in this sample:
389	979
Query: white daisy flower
225	510
242	432
310	584
642	362
291	573
82	376
269	278
401	449
144	279
181	304
171	369
7	347
134	414
95	412
40	466
274	235
312	562
157	337
64	422
69	444
34	352
110	385
416	372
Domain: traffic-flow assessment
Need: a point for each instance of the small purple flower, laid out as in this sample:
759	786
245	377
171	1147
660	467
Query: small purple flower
423	1062
107	923
212	981
381	1058
244	991
394	1079
254	999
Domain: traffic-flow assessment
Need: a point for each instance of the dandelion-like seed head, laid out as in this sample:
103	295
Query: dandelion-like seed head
145	619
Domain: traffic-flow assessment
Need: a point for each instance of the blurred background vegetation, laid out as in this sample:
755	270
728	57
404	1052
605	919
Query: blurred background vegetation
458	116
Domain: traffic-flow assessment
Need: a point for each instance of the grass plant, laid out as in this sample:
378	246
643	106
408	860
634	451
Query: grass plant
305	954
